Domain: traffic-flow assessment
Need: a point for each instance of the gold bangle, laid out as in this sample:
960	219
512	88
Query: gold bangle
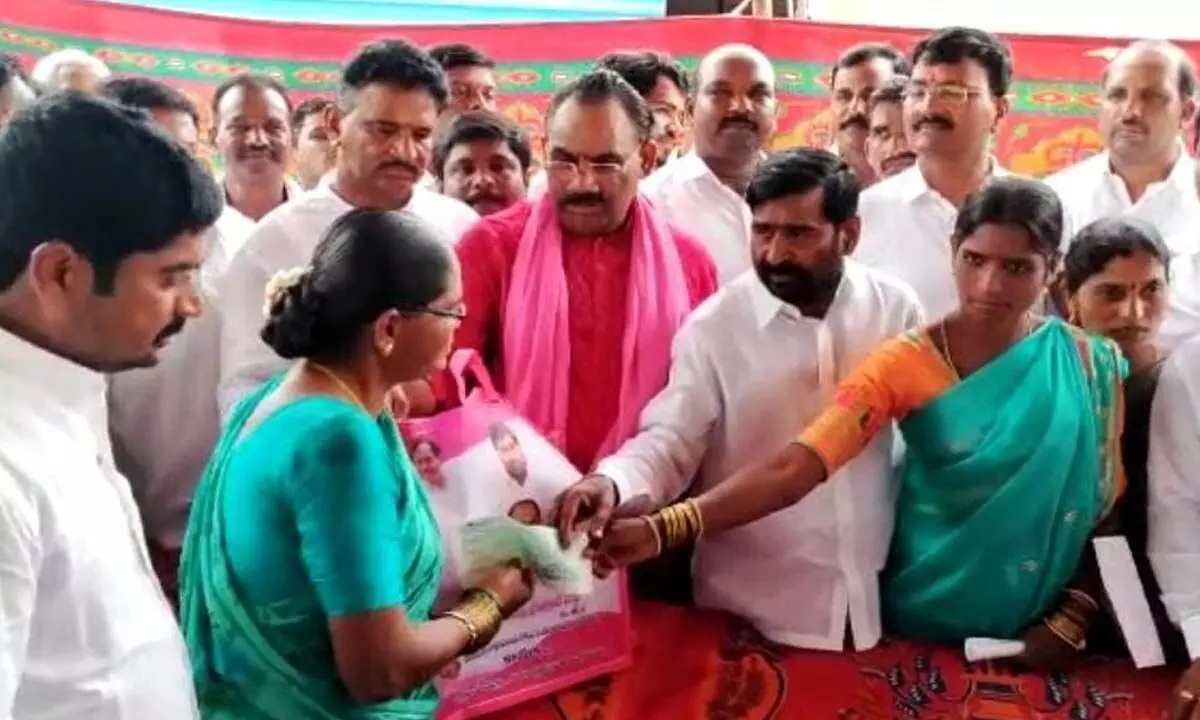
1084	598
1055	624
681	523
669	525
481	613
697	517
658	542
472	631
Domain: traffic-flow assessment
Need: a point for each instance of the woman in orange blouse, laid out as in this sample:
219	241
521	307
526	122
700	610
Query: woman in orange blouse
1011	424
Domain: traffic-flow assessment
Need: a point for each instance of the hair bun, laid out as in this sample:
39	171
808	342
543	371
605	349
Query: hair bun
292	310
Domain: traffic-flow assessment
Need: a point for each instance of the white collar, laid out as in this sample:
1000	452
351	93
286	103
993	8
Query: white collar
1182	177
68	382
767	307
913	187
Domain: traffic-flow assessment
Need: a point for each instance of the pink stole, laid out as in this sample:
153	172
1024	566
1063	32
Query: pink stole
536	341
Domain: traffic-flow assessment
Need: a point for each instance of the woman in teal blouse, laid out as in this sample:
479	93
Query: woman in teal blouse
312	557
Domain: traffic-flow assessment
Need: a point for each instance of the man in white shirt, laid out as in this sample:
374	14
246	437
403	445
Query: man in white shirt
164	419
952	106
733	117
102	231
752	366
1145	171
1174	517
252	131
391	96
857	74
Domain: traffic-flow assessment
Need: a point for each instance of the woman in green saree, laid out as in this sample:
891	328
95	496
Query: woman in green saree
1011	424
312	557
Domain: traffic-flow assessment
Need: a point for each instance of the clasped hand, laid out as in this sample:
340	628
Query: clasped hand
617	536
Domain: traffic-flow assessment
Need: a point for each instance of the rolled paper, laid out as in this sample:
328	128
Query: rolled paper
980	649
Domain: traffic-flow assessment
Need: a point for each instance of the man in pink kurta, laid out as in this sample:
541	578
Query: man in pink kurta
573	300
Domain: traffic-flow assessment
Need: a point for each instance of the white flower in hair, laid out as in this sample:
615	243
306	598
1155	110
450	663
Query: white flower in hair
280	283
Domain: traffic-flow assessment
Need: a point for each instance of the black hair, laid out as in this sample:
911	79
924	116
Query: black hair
799	171
456	55
601	85
249	81
397	63
144	93
10	67
499	431
99	177
308	108
1099	242
643	68
891	91
953	45
866	52
479	125
367	262
1014	202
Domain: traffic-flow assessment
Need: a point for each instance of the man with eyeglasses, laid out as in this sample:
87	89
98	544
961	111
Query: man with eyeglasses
1146	104
574	299
953	103
664	85
733	116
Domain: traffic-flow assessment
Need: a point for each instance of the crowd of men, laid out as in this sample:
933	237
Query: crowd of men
420	131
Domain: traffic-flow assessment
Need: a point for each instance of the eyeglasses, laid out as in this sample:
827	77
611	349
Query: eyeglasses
945	94
458	312
567	170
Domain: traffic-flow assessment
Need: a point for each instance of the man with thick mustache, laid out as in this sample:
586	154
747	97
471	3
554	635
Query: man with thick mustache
953	104
1146	104
483	159
252	132
856	75
575	298
733	117
1145	172
759	358
390	98
887	142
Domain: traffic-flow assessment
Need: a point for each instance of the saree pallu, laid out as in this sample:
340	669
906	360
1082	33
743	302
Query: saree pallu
240	669
1005	477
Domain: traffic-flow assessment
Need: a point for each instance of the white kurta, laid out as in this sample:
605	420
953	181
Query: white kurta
1090	190
748	372
165	419
906	229
85	631
1173	466
695	201
285	239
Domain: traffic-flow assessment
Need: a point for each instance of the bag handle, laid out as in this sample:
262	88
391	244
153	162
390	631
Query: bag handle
466	363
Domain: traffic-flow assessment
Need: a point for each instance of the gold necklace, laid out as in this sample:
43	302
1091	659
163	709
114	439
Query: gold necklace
1025	320
341	384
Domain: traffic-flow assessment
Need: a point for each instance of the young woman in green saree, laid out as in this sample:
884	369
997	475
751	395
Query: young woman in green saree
1011	425
312	557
